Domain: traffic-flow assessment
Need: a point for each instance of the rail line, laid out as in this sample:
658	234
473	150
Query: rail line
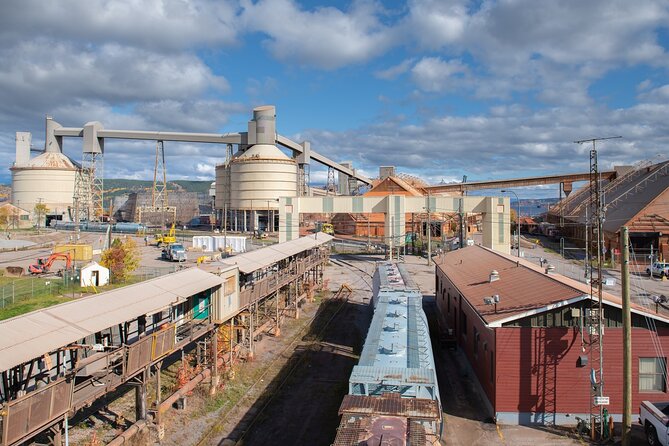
275	390
214	427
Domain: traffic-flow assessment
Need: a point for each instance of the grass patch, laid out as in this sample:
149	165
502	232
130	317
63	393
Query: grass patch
31	304
20	295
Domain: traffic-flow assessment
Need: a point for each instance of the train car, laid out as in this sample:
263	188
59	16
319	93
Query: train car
393	391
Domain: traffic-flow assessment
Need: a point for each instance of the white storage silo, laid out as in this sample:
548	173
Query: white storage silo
48	178
250	185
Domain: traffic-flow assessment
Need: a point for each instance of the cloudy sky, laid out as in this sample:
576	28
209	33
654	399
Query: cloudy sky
439	88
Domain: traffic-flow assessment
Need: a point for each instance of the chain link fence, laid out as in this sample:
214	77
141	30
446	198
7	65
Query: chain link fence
23	288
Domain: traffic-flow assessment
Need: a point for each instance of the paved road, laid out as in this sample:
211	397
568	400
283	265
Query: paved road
642	287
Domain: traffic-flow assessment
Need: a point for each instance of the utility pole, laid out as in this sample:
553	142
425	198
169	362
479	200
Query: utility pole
462	223
594	314
627	338
429	232
369	242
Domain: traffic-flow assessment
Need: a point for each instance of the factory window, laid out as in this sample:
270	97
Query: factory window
24	217
651	376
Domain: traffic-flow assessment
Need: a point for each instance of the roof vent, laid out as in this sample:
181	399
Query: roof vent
387	351
494	275
394	328
550	269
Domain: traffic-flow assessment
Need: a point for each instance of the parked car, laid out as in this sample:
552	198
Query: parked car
174	252
658	269
654	417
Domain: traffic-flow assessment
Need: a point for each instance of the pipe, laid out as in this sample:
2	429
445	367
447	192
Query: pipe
190	385
128	433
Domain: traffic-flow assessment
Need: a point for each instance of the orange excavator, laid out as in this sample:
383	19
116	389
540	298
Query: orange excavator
44	264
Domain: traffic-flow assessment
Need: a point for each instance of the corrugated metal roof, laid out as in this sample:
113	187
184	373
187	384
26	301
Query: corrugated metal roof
397	349
29	336
50	160
266	257
523	287
390	404
392	375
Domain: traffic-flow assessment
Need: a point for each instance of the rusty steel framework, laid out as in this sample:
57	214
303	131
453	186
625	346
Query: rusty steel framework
159	193
130	358
594	314
331	186
89	188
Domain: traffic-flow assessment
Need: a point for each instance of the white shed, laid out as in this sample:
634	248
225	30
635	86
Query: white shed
94	274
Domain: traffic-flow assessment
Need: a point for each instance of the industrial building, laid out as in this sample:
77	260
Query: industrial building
48	178
17	218
524	333
248	183
61	359
637	198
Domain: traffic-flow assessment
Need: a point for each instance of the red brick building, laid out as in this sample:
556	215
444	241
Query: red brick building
528	351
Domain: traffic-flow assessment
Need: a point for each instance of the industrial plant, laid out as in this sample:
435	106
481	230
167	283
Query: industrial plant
393	300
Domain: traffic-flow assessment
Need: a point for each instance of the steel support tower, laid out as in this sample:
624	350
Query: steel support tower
89	188
159	194
594	313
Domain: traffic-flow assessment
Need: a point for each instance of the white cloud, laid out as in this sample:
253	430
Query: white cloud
510	141
437	23
436	75
657	95
324	37
395	71
162	25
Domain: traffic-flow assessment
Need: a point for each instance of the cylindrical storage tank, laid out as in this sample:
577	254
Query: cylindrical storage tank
48	178
129	228
259	176
221	180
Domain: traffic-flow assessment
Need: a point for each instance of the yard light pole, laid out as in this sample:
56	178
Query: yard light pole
429	231
517	219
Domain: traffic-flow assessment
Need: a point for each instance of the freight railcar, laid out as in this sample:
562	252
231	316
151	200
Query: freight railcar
393	391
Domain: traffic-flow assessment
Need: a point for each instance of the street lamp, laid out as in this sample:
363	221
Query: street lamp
517	219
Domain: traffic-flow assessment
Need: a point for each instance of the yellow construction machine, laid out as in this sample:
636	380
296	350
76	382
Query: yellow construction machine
166	239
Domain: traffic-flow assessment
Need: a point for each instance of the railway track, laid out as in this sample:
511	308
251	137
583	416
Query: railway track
249	394
272	393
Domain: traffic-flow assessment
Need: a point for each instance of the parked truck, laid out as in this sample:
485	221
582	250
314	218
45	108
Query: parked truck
174	252
654	417
658	269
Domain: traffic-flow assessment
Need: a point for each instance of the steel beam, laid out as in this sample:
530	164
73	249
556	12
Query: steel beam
211	138
516	182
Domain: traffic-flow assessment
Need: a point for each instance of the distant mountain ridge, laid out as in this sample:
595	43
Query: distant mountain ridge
115	187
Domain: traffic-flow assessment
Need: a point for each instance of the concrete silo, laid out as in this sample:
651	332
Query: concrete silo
249	184
48	178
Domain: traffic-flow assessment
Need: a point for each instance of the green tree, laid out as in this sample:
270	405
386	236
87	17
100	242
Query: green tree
40	210
122	258
5	217
514	219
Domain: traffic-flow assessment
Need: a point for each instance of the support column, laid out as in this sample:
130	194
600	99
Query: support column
140	398
159	398
251	329
57	439
277	330
214	363
297	300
